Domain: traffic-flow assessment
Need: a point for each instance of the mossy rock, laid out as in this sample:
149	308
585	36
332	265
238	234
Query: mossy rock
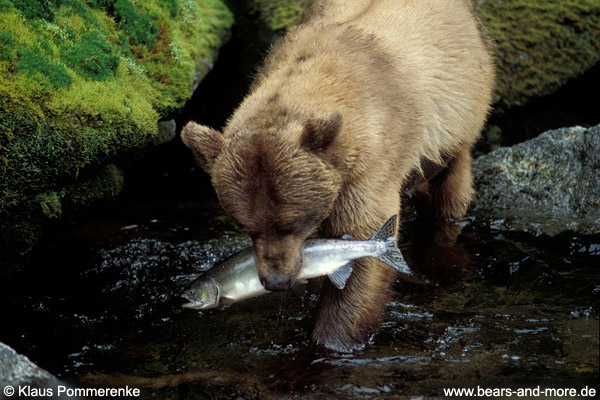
83	82
279	15
541	44
25	218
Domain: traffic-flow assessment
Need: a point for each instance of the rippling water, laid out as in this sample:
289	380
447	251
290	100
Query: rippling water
499	309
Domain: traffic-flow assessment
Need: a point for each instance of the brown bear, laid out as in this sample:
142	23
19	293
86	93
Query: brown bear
363	101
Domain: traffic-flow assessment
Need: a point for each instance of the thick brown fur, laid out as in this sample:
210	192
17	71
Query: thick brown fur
347	110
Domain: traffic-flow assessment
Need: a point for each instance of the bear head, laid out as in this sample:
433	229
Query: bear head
278	184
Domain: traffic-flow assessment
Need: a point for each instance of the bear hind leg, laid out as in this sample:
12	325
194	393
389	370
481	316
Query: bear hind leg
445	198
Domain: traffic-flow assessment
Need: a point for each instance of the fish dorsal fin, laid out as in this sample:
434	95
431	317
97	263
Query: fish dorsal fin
346	237
387	230
341	275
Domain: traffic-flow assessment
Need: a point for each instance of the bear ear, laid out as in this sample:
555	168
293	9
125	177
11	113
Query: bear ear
318	134
205	143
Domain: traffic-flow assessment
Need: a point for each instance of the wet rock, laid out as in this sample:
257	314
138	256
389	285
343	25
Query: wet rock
549	184
167	130
18	371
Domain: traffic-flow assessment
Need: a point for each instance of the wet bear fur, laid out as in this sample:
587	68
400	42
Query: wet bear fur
364	105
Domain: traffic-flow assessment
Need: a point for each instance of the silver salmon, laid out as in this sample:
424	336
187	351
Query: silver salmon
236	278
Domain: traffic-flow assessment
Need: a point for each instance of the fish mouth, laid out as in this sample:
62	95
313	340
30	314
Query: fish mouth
198	305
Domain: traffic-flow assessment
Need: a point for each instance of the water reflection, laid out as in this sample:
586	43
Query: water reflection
500	308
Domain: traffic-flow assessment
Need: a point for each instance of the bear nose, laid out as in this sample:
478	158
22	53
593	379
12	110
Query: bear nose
276	282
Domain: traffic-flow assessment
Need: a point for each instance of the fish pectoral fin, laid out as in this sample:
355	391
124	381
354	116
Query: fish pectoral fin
341	275
224	303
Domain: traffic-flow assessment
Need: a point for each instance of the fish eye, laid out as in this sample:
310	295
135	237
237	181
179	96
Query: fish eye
191	292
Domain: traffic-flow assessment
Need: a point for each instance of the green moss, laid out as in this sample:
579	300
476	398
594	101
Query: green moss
35	9
172	6
280	15
46	47
79	8
36	64
106	4
89	84
5	5
124	45
140	27
103	186
92	57
24	224
541	44
7	46
50	205
70	33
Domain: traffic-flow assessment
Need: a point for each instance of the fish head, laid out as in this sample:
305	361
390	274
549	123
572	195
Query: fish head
202	294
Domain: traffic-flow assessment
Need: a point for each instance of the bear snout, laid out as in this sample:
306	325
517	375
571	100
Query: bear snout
277	261
278	274
276	282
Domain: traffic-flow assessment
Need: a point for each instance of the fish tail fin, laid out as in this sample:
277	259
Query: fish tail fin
387	230
392	256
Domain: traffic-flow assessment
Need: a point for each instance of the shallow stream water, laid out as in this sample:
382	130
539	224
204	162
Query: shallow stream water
499	309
